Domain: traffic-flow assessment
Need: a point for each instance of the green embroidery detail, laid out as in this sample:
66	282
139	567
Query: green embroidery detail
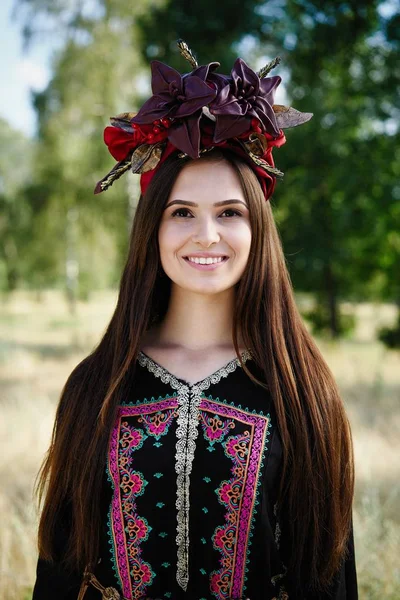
160	504
166	564
205	510
206	479
203	571
163	534
158	475
111	543
210	448
257	501
239	406
146	401
168	594
157	444
203	540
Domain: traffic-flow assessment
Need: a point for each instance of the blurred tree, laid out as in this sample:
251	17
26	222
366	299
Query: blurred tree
338	206
15	216
212	29
94	76
335	202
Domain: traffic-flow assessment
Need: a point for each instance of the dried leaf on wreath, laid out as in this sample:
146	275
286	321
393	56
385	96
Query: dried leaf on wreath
256	144
146	157
287	116
265	166
202	151
123	121
271	65
116	172
187	53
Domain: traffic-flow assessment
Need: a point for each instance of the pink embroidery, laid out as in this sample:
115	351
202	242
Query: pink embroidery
238	495
157	424
128	529
230	494
214	427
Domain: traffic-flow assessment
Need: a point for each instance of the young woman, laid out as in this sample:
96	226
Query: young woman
202	450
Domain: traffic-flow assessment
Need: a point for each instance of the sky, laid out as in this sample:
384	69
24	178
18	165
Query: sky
20	71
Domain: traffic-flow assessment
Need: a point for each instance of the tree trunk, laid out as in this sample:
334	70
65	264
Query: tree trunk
71	260
11	263
12	278
331	294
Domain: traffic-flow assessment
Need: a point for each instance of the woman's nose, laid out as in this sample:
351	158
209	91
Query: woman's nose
206	232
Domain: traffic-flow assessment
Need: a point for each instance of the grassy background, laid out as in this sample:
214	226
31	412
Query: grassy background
40	343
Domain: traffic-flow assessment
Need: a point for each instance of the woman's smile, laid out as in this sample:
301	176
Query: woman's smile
205	262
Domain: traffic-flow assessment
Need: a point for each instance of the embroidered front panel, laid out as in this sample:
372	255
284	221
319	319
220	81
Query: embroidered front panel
246	452
129	530
189	399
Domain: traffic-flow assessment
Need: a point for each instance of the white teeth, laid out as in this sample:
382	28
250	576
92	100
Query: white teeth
205	261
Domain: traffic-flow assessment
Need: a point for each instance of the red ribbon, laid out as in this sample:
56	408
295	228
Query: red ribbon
120	143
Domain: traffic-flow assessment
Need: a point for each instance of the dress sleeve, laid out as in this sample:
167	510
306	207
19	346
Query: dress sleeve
344	585
53	580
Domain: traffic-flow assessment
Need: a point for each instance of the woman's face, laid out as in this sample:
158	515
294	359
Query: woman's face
204	236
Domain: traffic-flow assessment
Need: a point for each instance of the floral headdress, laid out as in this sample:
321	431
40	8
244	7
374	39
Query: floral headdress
198	111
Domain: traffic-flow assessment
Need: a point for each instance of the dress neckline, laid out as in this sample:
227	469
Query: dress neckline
167	377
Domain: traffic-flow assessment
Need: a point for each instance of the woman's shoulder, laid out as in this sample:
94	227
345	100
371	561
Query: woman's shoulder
86	379
82	373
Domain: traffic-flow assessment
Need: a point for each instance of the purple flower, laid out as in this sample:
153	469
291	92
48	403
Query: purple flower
178	97
245	97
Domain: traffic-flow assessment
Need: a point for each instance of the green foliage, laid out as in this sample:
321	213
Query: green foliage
15	212
210	28
320	320
337	205
338	208
77	235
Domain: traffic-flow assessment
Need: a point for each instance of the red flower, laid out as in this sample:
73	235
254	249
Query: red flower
121	142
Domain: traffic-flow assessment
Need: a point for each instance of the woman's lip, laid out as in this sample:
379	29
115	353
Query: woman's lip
205	255
210	267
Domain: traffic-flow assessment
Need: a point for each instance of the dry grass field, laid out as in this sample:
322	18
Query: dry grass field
40	343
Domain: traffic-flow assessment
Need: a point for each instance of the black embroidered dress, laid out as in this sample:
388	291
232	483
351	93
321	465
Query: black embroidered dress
189	495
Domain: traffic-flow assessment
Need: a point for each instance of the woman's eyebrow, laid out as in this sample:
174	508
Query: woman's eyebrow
221	203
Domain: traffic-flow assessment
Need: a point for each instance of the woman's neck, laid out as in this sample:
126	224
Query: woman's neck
197	321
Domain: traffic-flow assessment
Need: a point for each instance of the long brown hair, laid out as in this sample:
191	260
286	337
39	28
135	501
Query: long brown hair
317	482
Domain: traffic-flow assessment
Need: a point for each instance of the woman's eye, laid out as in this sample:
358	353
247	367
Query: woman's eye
181	212
230	212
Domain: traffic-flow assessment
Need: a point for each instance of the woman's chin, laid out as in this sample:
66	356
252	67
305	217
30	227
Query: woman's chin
206	288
